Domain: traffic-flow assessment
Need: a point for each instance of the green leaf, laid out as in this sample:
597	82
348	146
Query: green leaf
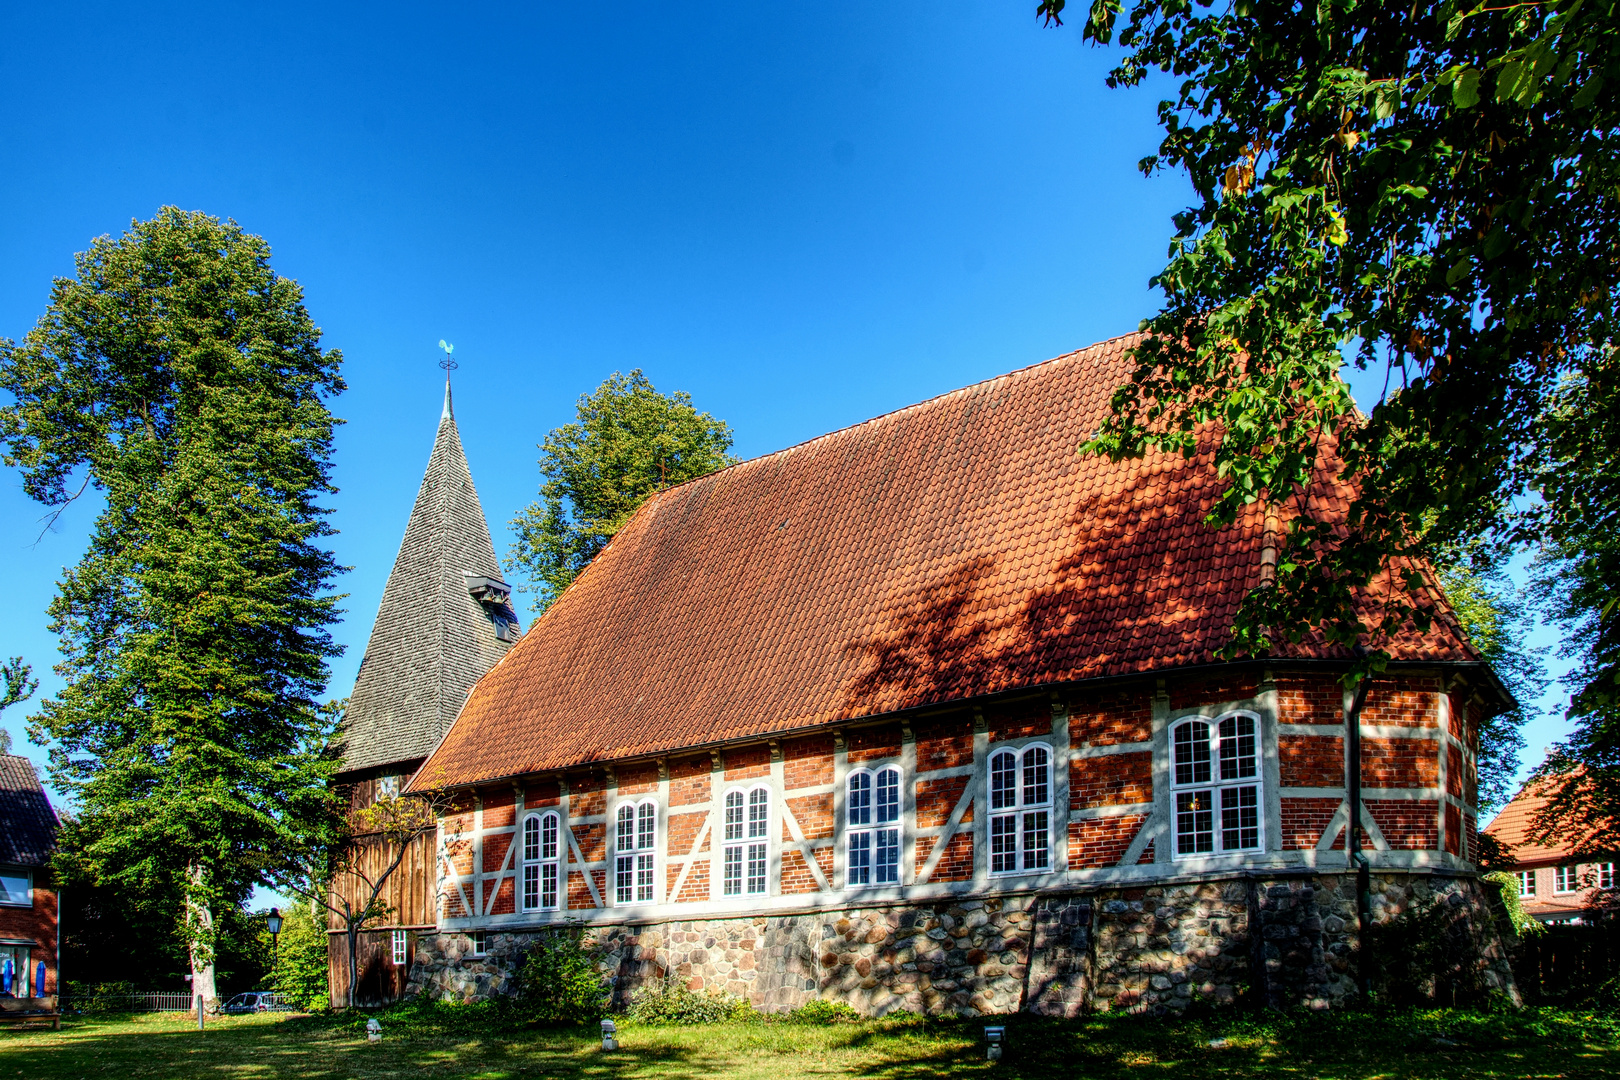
1465	90
1588	92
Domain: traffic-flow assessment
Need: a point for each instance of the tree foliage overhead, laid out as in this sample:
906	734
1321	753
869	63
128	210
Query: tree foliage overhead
180	376
1433	191
629	442
1578	580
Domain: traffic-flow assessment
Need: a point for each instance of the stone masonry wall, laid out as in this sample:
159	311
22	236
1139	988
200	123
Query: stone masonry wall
1278	941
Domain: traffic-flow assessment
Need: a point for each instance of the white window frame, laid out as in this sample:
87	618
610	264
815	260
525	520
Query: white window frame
1566	879
28	888
476	945
871	828
1527	883
1603	875
540	862
635	864
399	945
748	845
1026	814
1186	786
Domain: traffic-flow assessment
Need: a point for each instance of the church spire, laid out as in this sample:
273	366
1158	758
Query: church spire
445	618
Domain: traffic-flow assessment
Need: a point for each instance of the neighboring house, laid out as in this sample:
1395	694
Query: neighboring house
926	713
1554	885
29	933
445	619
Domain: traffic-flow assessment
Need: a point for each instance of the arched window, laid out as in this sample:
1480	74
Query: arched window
747	844
1215	781
540	852
634	854
872	827
1021	810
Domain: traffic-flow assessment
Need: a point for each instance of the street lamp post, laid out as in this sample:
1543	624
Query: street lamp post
272	922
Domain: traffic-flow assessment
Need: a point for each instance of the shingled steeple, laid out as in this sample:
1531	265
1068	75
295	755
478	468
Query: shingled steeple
444	621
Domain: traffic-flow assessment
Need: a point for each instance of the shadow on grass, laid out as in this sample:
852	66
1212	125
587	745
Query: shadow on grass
1410	1046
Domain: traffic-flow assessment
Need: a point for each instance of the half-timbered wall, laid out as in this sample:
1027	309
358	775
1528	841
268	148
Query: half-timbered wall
1111	805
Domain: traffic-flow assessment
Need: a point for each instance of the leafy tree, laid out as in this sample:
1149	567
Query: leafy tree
1430	190
342	866
184	379
1433	191
299	974
1497	619
15	676
629	442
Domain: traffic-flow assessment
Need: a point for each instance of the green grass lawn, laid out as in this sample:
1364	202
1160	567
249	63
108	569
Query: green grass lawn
1440	1044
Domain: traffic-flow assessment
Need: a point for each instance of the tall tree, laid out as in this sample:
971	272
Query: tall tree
1432	191
629	442
183	379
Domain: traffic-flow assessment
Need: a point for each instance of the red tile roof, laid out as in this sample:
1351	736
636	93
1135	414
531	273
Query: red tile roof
956	548
1511	826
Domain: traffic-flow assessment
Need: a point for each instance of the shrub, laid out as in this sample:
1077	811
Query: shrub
821	1011
670	1002
300	970
559	982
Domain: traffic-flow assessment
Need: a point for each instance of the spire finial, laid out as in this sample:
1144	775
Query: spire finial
448	364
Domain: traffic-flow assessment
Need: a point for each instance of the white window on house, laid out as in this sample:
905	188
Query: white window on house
747	845
398	942
1604	878
1564	879
872	827
1527	882
1215	785
539	862
1021	810
476	941
16	888
634	853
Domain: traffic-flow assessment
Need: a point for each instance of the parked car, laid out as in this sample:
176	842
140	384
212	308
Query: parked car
255	1001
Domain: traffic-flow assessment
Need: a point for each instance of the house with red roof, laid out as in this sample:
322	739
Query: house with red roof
1556	883
927	713
30	936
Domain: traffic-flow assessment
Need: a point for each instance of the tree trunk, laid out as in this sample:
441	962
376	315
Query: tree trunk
354	948
200	920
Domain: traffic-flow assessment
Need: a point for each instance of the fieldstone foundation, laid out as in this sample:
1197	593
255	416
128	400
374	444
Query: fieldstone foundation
1282	941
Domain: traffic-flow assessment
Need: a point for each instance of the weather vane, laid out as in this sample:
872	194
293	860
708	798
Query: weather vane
448	363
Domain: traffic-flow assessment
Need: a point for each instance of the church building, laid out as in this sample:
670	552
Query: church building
926	713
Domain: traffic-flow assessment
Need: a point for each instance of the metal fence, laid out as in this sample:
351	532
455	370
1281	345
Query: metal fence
151	1002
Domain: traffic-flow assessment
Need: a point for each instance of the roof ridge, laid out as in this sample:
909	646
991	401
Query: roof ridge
891	414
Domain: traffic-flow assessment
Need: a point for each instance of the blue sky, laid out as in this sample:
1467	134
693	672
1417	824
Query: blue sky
802	215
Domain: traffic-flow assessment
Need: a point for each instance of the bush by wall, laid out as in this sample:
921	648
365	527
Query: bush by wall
669	1002
559	983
